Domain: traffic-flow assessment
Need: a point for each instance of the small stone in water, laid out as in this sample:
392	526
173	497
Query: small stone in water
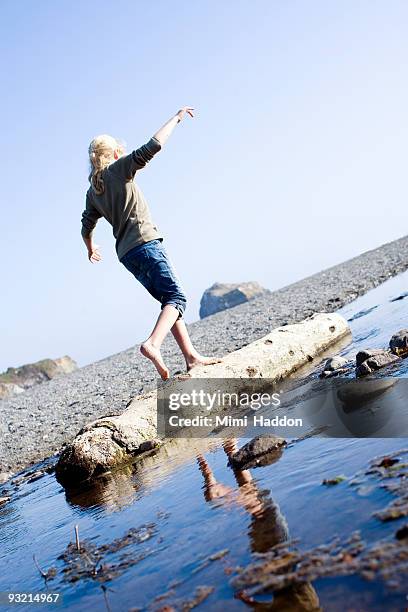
388	462
334	481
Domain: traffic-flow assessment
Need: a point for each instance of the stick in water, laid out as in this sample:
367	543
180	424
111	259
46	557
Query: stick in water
43	574
77	538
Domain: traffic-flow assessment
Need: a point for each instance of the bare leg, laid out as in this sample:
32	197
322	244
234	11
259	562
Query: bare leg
212	488
192	357
151	347
209	478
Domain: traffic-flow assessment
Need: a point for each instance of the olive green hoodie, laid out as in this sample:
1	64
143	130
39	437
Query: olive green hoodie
122	203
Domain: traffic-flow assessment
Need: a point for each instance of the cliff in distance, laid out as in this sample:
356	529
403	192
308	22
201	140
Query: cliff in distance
17	380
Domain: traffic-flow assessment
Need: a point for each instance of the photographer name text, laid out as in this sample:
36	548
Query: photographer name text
228	421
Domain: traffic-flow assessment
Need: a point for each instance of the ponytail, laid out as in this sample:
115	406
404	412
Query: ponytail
101	154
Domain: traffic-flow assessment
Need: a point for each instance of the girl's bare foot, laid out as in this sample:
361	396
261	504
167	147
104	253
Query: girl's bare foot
198	359
153	353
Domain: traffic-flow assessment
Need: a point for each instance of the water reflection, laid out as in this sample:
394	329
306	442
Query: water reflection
267	528
115	490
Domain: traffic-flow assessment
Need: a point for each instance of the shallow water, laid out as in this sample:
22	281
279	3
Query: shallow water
190	524
377	315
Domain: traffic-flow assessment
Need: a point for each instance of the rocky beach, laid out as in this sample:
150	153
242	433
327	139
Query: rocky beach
37	423
262	524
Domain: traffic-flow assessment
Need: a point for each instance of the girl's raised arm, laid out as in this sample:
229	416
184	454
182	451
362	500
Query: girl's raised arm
127	165
164	132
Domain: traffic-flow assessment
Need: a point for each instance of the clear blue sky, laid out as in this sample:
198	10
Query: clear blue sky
295	161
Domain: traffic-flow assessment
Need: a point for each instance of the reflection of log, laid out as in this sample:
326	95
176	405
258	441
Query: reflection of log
118	488
111	440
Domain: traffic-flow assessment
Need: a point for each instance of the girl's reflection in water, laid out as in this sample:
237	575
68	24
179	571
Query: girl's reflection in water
268	527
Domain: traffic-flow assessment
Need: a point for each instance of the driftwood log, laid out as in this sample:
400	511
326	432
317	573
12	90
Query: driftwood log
112	440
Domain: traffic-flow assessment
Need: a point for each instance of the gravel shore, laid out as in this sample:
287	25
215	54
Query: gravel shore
37	423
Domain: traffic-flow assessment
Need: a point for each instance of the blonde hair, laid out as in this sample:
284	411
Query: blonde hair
101	154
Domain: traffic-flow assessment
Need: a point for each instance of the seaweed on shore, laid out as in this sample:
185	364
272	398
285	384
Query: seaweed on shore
200	594
87	560
391	472
286	566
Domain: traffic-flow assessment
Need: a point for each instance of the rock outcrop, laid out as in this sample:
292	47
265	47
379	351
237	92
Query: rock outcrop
17	380
226	295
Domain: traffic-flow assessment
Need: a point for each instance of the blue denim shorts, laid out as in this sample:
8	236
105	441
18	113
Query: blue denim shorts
151	266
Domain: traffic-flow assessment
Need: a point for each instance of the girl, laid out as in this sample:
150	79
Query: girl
114	195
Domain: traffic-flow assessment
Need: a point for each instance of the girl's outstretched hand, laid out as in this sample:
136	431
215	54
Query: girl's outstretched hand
184	110
164	132
94	254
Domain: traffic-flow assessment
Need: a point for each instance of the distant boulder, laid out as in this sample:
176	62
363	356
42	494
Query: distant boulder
226	295
17	380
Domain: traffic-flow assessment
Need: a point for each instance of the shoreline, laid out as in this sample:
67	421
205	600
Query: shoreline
37	423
